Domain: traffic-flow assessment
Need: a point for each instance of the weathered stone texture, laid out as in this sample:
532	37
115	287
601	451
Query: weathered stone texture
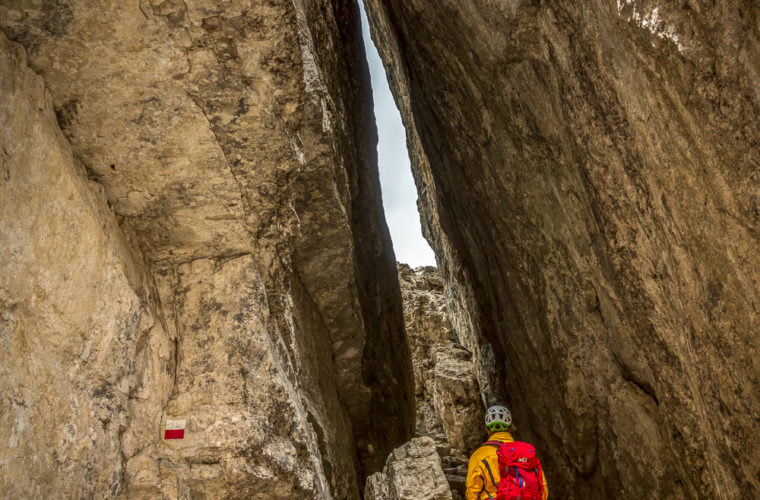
447	393
425	310
412	472
449	404
244	278
588	175
248	433
77	310
456	398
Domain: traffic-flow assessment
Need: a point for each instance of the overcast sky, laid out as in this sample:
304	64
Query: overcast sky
399	193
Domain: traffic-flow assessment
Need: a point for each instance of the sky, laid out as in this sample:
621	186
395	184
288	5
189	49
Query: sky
396	181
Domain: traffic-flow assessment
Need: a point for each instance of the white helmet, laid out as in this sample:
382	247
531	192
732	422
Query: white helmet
498	418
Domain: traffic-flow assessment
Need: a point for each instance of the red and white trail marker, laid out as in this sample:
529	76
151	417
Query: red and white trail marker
175	429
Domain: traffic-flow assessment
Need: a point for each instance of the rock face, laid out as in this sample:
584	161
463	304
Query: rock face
589	181
449	405
76	309
447	394
191	230
413	472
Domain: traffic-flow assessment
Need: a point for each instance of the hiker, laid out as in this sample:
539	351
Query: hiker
503	457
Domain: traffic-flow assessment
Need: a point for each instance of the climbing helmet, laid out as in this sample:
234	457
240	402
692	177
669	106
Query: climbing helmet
498	418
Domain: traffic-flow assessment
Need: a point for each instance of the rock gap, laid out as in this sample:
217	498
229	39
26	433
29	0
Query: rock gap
399	190
584	184
193	241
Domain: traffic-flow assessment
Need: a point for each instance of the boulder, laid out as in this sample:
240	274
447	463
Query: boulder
412	472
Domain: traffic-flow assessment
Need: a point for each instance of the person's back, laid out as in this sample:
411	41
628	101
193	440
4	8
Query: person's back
483	475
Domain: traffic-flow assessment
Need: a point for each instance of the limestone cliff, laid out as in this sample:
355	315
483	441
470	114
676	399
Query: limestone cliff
588	174
191	230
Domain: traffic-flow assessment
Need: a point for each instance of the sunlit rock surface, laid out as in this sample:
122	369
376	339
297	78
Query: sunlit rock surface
450	413
78	315
191	229
589	180
447	393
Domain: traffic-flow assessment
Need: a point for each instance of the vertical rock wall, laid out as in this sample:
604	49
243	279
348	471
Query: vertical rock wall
201	240
588	174
78	313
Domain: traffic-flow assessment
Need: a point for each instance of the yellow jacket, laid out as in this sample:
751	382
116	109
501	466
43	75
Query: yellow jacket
479	484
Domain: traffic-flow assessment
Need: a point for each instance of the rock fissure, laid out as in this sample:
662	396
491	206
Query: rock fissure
604	155
233	364
244	198
192	235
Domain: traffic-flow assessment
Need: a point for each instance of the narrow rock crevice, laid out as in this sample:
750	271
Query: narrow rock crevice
277	330
450	412
192	231
558	149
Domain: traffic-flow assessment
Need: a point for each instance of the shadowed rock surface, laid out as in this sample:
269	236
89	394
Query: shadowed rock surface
191	229
588	174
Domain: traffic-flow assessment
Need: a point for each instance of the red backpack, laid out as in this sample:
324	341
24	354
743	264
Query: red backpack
520	470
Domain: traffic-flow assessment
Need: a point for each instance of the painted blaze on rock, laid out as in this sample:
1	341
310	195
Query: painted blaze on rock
209	138
174	429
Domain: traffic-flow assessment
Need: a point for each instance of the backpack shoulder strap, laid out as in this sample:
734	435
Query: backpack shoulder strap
488	468
496	444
